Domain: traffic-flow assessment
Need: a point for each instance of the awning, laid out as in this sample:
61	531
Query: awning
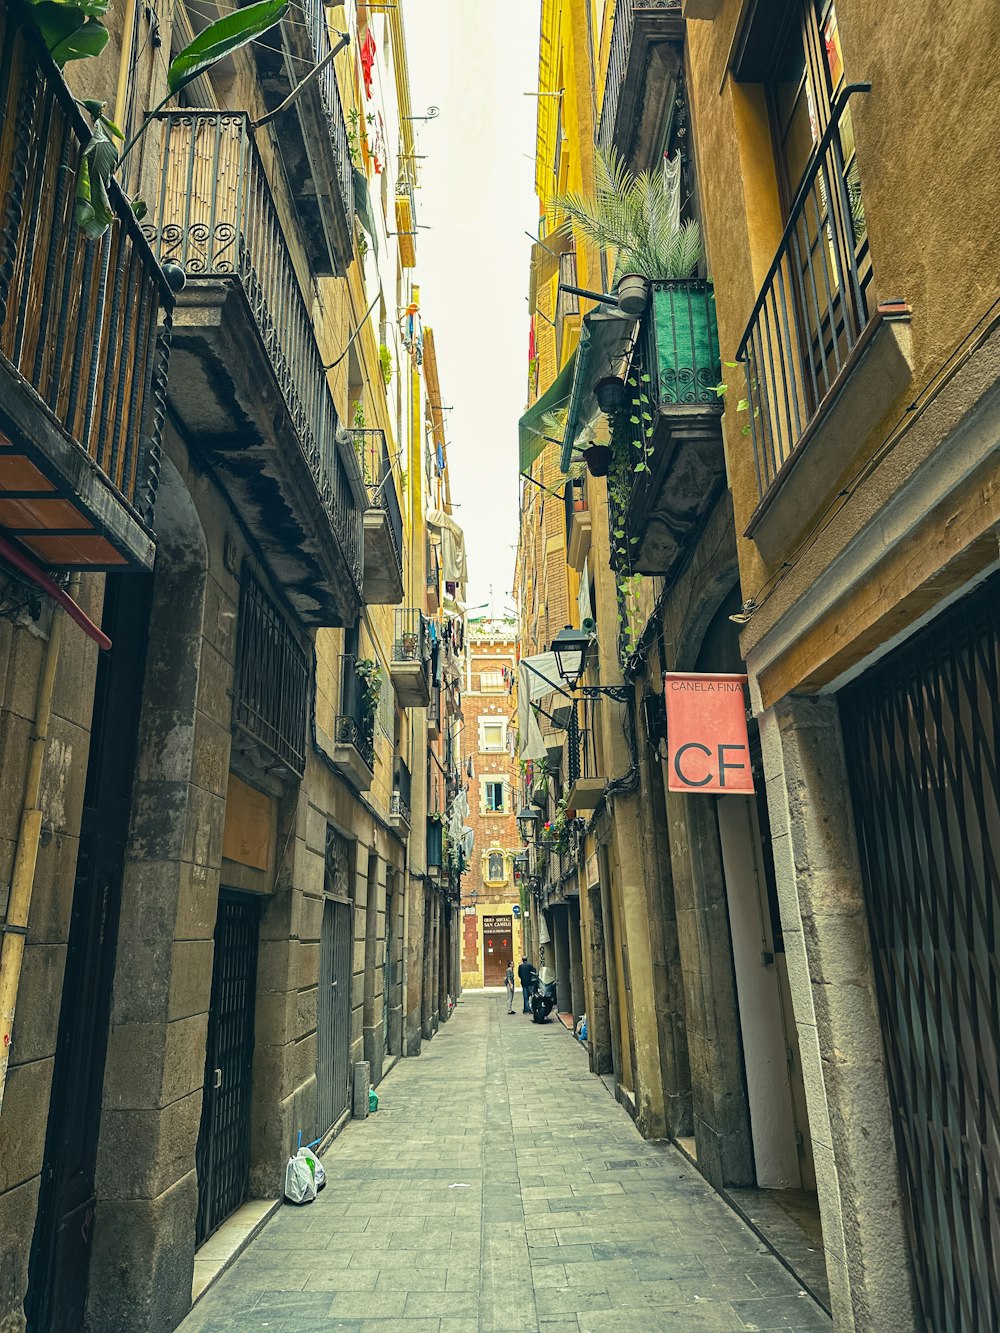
531	429
604	340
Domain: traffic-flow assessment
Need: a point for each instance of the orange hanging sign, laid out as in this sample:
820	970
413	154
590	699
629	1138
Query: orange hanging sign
707	746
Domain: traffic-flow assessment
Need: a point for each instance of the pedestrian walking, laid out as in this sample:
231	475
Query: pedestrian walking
524	975
508	981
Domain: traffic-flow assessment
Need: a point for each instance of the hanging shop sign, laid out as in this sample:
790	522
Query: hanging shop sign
707	746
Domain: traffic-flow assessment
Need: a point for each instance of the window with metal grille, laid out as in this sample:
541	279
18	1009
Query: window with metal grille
272	678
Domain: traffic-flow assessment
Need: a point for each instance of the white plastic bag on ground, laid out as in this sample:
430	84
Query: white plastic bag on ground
315	1165
300	1184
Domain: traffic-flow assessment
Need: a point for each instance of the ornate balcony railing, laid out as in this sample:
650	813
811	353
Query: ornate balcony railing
813	305
621	37
376	467
78	330
356	719
401	791
314	13
215	216
410	638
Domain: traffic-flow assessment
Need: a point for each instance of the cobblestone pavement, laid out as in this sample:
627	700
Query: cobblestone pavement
500	1189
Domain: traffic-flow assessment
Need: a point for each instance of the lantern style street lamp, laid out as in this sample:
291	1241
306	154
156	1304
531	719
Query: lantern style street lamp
527	818
570	646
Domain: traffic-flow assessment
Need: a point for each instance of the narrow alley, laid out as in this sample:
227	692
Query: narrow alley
499	1189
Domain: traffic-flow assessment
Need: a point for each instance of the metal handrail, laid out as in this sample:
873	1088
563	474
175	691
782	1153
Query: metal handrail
376	467
316	21
812	306
356	720
216	216
78	318
410	637
621	39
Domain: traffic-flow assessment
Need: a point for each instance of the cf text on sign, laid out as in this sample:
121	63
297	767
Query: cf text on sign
707	747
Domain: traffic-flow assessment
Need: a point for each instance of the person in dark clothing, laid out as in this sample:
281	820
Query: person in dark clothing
525	975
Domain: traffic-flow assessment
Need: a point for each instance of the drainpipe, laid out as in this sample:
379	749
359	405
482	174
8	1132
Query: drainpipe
14	930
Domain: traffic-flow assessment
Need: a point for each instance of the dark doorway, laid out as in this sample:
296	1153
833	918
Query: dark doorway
922	740
333	1015
498	949
223	1153
60	1252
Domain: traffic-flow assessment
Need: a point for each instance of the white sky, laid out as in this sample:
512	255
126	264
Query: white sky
475	59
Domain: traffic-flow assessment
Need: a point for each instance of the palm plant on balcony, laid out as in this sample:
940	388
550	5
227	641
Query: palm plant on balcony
638	216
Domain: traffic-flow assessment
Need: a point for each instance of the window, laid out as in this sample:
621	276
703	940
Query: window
492	735
494	796
492	682
815	304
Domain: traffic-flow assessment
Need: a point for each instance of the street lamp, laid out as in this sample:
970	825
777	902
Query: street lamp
570	646
527	818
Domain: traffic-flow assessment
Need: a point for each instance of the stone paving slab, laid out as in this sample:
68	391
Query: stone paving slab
561	1219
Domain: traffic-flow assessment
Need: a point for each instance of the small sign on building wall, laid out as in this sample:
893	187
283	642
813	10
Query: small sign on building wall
707	746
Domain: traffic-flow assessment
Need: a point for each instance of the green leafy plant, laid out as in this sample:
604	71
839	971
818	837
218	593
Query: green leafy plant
385	364
639	216
75	32
743	405
359	420
369	671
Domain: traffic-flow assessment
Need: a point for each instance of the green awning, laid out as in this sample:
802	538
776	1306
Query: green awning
531	428
603	344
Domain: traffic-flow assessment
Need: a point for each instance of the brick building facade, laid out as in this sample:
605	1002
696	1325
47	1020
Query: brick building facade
491	925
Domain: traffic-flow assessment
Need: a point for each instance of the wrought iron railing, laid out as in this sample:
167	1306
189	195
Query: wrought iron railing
433	566
356	719
581	747
271	688
401	785
410	638
376	466
314	14
679	345
575	500
621	38
813	304
215	216
78	318
567	303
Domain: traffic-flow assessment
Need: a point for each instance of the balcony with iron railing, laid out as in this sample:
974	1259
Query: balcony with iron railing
248	387
399	810
433	579
311	135
354	739
406	220
82	367
383	578
585	783
669	468
822	364
567	302
577	505
434	711
644	61
410	664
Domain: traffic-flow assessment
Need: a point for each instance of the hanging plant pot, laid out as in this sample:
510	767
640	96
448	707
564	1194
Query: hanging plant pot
633	294
598	459
610	394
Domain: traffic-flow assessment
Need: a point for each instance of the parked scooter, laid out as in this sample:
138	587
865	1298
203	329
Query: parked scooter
543	995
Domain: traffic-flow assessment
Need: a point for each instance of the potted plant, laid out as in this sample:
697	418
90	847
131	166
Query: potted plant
639	216
598	459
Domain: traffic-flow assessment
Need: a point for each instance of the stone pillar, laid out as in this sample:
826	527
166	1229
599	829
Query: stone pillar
413	955
373	1040
435	959
560	940
577	996
427	967
830	973
146	1185
598	1000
